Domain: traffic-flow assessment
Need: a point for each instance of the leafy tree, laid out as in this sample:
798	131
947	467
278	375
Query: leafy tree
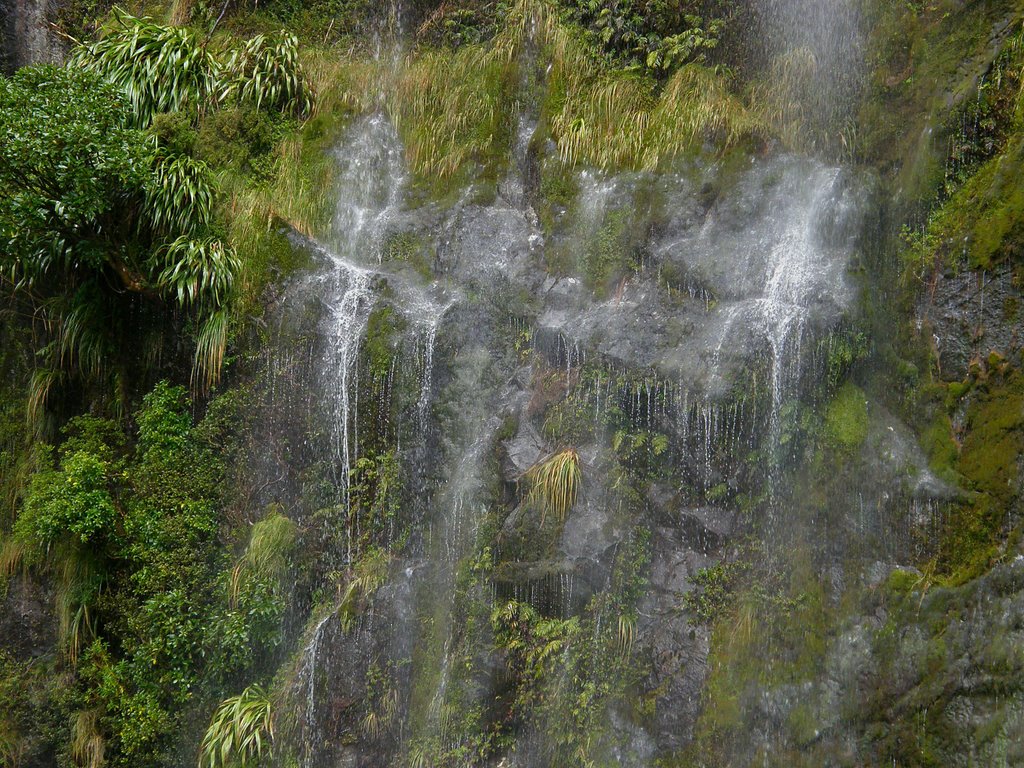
153	617
101	226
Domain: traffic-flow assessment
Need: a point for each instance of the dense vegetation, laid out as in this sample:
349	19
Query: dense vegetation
146	191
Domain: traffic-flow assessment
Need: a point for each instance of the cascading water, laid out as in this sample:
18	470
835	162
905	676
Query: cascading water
729	306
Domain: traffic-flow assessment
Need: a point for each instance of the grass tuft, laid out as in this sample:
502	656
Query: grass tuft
554	484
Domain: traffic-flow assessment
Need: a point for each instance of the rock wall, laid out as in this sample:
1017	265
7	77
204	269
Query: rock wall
26	36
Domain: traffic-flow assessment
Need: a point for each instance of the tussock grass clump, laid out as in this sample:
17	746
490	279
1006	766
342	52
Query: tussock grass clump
622	120
450	108
696	104
453	108
379	719
211	345
266	556
555	484
781	96
88	746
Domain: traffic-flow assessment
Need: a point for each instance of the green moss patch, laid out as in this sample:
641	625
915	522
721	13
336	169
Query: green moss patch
846	420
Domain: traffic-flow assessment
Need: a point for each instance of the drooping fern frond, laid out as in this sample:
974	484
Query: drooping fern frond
555	484
241	731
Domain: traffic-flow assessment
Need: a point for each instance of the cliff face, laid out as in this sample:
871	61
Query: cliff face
26	36
711	463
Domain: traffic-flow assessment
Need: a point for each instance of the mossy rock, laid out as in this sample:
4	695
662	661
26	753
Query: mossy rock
995	438
846	420
383	329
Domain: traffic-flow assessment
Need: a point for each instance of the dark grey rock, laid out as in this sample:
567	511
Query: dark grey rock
970	314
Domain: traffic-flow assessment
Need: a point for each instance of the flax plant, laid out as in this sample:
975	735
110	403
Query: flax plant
160	68
266	72
180	197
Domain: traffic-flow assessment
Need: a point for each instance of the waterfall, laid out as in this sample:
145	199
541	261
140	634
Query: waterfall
369	188
763	270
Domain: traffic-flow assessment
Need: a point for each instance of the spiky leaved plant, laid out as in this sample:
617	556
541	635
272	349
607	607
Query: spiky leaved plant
180	196
554	484
160	68
241	731
266	72
198	271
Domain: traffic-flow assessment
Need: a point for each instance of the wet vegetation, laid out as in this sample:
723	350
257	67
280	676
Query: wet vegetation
349	406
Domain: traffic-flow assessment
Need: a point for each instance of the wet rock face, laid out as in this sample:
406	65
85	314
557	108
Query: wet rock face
26	620
971	314
731	271
25	36
939	673
678	645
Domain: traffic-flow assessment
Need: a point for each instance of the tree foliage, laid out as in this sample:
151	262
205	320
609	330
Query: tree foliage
98	220
151	616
